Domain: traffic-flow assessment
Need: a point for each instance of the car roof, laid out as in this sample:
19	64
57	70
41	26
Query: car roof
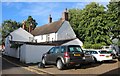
67	45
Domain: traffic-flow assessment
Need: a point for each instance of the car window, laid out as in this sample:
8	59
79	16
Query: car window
93	52
51	50
56	50
62	49
104	52
74	49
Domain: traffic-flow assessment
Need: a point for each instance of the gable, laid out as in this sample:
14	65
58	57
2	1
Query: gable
47	28
65	32
20	35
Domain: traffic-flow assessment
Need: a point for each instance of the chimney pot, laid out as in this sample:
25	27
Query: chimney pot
50	18
65	15
24	25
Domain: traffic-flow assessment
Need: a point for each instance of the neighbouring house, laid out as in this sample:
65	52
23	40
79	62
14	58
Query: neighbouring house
29	46
19	35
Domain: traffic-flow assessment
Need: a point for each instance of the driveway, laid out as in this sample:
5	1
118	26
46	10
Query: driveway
112	67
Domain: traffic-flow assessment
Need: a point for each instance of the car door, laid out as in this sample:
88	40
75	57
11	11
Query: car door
54	55
49	55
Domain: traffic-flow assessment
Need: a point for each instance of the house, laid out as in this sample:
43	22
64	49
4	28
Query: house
28	47
19	35
55	31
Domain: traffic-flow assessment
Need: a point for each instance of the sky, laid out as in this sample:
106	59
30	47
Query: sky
40	11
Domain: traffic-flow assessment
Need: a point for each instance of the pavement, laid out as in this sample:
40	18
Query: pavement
107	68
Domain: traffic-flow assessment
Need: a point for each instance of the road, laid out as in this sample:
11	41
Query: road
11	69
112	67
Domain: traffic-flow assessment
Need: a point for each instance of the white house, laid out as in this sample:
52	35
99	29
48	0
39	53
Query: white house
55	31
29	46
19	35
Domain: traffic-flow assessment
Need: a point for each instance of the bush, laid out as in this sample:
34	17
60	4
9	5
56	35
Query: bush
92	46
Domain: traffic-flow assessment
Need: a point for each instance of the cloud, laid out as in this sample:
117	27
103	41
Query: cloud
17	5
38	9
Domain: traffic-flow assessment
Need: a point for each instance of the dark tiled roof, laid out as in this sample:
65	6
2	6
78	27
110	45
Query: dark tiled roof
47	28
53	43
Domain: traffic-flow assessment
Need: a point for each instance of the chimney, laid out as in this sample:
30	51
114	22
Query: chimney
30	28
65	15
50	18
24	25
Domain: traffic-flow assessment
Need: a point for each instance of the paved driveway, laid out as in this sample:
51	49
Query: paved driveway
112	67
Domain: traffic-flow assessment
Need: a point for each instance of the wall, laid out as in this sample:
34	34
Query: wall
74	42
65	32
20	35
52	37
10	51
33	53
23	53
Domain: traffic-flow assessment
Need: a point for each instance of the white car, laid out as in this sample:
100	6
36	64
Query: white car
100	55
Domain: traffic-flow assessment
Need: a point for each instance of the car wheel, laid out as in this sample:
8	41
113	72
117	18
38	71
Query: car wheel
60	64
95	60
43	61
118	59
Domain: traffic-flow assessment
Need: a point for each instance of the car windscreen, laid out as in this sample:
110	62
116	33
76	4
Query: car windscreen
74	49
104	52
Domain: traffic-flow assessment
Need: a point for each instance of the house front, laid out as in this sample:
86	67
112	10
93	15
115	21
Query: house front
29	46
54	31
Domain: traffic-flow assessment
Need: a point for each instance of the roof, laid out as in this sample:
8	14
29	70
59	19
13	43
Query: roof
47	28
53	43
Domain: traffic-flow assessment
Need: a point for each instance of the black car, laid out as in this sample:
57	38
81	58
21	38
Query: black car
64	56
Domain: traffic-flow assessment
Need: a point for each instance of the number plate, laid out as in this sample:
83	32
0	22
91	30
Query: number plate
76	54
107	56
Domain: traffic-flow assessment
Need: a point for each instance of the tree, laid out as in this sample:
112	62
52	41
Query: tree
30	22
9	26
91	24
114	18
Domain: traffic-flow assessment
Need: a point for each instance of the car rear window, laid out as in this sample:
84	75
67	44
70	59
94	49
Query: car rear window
104	52
92	52
74	49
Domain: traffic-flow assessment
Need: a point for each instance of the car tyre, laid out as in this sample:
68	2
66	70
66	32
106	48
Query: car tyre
43	61
118	59
95	60
60	64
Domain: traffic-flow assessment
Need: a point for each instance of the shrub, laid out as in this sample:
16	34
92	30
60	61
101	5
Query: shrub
92	46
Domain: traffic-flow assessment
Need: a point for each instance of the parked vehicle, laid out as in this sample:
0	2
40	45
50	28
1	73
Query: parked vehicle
64	56
88	57
114	50
100	55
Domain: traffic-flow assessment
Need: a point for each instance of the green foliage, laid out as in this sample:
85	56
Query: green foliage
15	46
93	24
30	22
9	26
93	46
113	13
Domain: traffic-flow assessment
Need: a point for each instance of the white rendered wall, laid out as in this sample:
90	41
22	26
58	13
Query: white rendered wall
10	51
33	53
52	37
74	42
20	35
65	32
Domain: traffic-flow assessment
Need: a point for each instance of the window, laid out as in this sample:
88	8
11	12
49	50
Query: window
75	49
93	52
47	37
56	50
41	37
51	50
62	49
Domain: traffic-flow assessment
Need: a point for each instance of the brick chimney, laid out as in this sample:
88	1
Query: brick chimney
24	25
65	15
30	28
50	18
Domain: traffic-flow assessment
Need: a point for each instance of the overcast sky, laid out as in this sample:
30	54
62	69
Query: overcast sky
40	11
